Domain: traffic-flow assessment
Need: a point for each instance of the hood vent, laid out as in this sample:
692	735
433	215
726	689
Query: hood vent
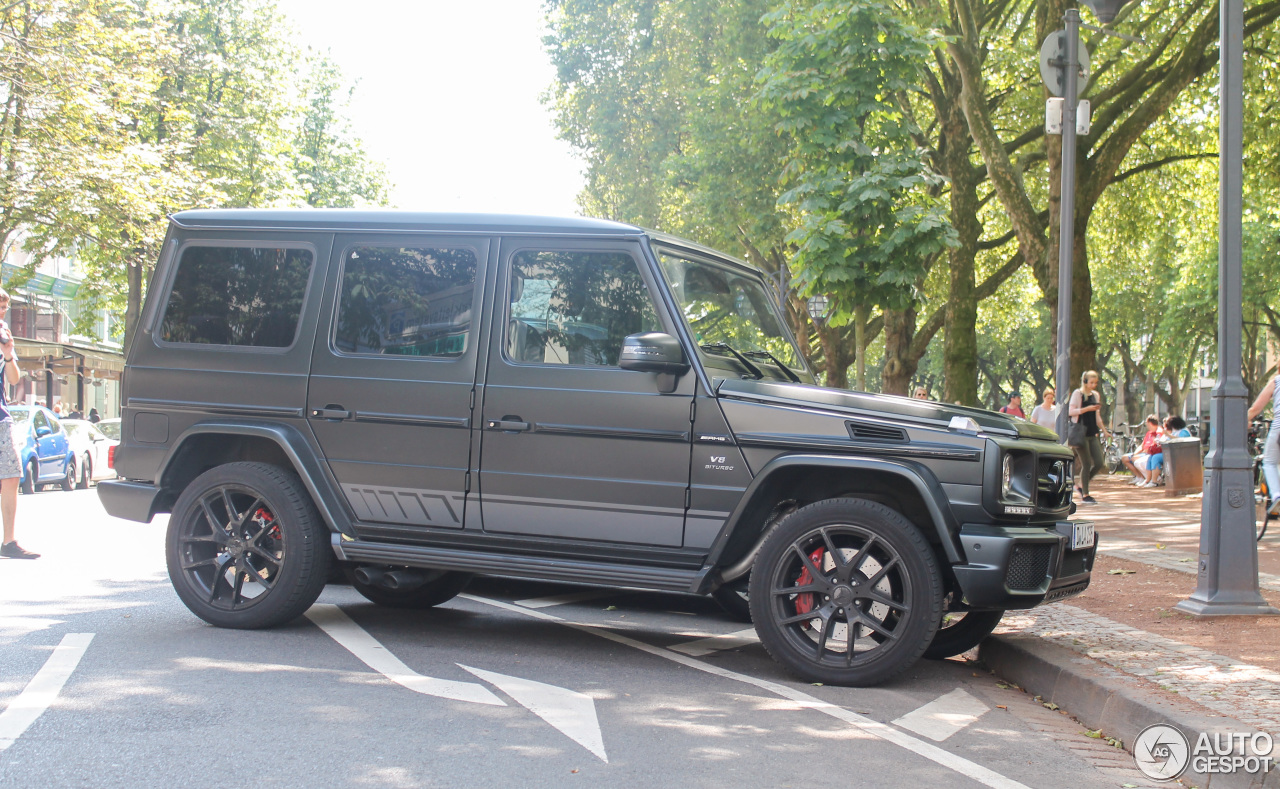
861	431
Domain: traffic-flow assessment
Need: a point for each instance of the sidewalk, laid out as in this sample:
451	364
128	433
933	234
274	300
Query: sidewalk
1120	657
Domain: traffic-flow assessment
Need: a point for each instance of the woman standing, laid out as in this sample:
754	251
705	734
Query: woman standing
1271	452
1084	406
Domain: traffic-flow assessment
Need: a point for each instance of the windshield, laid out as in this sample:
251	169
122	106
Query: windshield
110	429
729	311
20	415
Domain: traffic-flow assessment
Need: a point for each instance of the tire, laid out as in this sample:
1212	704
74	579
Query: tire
69	474
735	598
244	525
884	592
86	473
961	631
441	589
33	473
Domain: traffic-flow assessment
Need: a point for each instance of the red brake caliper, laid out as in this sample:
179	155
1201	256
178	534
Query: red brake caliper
808	601
262	518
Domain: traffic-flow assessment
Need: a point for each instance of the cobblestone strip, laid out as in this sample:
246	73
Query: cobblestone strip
1248	693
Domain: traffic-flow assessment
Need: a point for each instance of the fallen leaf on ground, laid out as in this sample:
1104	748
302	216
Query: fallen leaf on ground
1118	571
612	608
1160	546
1049	705
1001	707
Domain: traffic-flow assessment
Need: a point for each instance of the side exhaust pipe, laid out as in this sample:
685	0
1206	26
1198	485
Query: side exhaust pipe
370	576
404	580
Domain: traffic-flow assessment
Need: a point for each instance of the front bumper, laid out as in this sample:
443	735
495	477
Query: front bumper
1012	567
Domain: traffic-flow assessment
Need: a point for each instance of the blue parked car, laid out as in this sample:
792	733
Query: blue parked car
42	448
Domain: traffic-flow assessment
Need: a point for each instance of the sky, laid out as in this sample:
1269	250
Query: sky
448	100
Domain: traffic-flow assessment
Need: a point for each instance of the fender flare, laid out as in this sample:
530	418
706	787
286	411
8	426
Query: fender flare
295	447
921	479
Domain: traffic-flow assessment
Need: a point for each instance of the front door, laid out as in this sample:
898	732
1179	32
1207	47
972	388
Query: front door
391	391
573	446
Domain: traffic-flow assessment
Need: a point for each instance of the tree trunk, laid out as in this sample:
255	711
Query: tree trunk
900	363
860	318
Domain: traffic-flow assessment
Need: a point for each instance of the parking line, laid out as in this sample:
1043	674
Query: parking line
563	599
43	689
884	731
944	716
705	646
334	621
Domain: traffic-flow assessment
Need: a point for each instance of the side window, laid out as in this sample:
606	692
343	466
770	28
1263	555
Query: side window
406	301
249	296
40	420
576	307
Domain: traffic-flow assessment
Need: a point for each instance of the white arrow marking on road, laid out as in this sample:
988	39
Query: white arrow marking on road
573	713
944	716
705	646
43	688
332	620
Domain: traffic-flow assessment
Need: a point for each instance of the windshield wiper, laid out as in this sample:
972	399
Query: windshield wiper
787	371
723	346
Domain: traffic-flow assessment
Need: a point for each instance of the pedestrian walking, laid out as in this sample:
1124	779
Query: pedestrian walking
1083	408
10	467
1014	406
1046	414
93	416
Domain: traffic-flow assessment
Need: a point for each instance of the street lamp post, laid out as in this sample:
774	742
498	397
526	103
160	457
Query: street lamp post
1067	217
1227	575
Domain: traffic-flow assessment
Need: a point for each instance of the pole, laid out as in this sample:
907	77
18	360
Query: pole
1227	576
1067	221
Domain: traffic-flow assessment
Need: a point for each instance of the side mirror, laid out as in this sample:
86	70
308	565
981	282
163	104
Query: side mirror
43	431
654	352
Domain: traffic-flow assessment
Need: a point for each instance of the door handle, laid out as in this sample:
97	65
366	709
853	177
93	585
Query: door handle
331	412
509	425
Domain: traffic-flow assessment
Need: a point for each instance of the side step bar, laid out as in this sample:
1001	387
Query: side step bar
515	566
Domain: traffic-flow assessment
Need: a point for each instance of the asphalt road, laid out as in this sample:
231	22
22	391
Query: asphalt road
513	684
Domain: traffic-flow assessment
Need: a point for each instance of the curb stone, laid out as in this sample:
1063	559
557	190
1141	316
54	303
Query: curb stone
1104	698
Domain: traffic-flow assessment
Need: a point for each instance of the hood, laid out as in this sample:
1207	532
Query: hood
891	407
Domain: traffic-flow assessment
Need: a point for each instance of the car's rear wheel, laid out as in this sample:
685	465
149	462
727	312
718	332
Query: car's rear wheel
33	474
246	547
961	631
86	472
69	474
428	589
846	592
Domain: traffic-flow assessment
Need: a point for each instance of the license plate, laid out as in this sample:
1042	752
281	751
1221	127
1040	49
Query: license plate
1082	535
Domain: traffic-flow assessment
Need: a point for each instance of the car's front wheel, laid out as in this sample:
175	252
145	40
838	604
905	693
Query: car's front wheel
246	547
846	592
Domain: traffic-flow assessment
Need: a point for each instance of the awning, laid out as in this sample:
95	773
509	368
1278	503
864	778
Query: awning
68	359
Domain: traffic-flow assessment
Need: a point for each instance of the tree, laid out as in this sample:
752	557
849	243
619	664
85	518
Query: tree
329	161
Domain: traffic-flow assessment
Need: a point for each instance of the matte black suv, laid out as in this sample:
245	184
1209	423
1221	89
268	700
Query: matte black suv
423	397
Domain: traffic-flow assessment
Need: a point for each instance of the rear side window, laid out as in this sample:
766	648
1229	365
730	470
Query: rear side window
406	301
237	296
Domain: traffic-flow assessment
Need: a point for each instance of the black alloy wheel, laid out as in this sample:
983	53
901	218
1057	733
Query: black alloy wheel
961	631
86	472
846	592
441	587
69	474
33	474
246	547
735	598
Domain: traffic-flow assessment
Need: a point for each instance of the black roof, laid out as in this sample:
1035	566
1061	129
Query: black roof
388	219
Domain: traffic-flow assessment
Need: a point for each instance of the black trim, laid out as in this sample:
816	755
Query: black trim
809	443
533	567
612	432
546	547
216	408
412	419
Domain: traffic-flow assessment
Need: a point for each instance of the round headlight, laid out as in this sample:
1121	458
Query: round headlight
1006	478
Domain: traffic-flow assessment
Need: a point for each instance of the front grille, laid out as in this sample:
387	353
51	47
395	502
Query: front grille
1028	566
1074	563
1053	486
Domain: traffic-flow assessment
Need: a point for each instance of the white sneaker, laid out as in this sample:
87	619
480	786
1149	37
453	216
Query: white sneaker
1149	485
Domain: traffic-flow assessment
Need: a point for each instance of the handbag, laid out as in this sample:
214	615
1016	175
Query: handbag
1075	434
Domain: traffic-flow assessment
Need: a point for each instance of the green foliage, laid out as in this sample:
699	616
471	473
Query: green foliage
861	191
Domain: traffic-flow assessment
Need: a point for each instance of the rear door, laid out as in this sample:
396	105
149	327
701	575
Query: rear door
390	397
572	446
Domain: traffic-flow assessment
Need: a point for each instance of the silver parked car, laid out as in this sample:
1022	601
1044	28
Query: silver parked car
92	450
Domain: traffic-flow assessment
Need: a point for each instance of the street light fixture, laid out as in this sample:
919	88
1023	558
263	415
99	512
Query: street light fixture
1105	10
817	306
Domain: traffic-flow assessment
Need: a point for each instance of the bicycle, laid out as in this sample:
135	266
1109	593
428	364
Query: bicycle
1117	445
1258	434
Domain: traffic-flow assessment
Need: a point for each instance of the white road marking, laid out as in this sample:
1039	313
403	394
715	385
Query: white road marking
564	599
332	620
44	687
933	753
944	716
705	646
573	713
